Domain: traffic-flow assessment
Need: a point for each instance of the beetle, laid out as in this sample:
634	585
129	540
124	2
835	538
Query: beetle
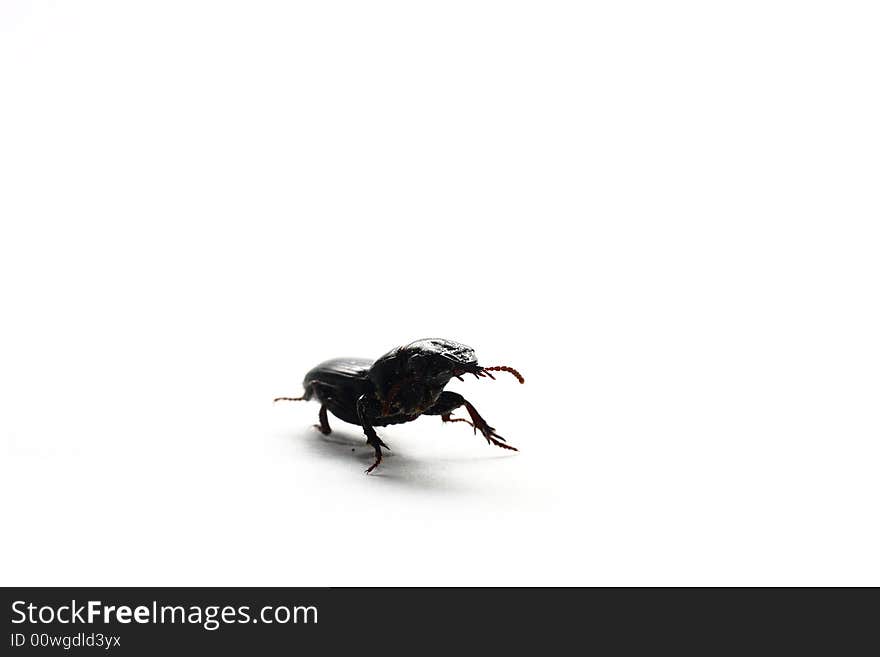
402	385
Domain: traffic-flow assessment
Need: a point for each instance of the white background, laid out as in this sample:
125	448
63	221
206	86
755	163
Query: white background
664	214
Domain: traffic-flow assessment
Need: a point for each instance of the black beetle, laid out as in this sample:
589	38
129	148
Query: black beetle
399	387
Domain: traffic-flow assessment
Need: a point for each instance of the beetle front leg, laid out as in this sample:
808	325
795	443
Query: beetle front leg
488	432
449	401
445	404
367	409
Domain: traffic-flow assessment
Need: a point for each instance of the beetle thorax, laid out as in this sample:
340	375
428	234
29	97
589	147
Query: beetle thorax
408	380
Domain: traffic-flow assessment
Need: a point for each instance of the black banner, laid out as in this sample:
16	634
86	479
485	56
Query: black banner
134	621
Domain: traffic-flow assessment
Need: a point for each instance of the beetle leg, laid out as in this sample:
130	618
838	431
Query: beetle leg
446	405
448	418
324	427
449	401
366	412
377	446
488	432
378	450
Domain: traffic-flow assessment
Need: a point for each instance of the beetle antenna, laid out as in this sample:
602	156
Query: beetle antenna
277	399
505	368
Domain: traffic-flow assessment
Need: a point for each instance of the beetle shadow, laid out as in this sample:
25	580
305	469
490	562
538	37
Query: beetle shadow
397	468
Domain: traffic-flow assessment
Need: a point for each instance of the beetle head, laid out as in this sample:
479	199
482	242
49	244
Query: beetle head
436	359
450	359
409	379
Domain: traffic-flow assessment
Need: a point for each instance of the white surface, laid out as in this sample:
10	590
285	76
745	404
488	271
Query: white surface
664	214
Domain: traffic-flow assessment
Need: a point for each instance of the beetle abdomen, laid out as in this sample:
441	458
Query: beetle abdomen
339	370
338	383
